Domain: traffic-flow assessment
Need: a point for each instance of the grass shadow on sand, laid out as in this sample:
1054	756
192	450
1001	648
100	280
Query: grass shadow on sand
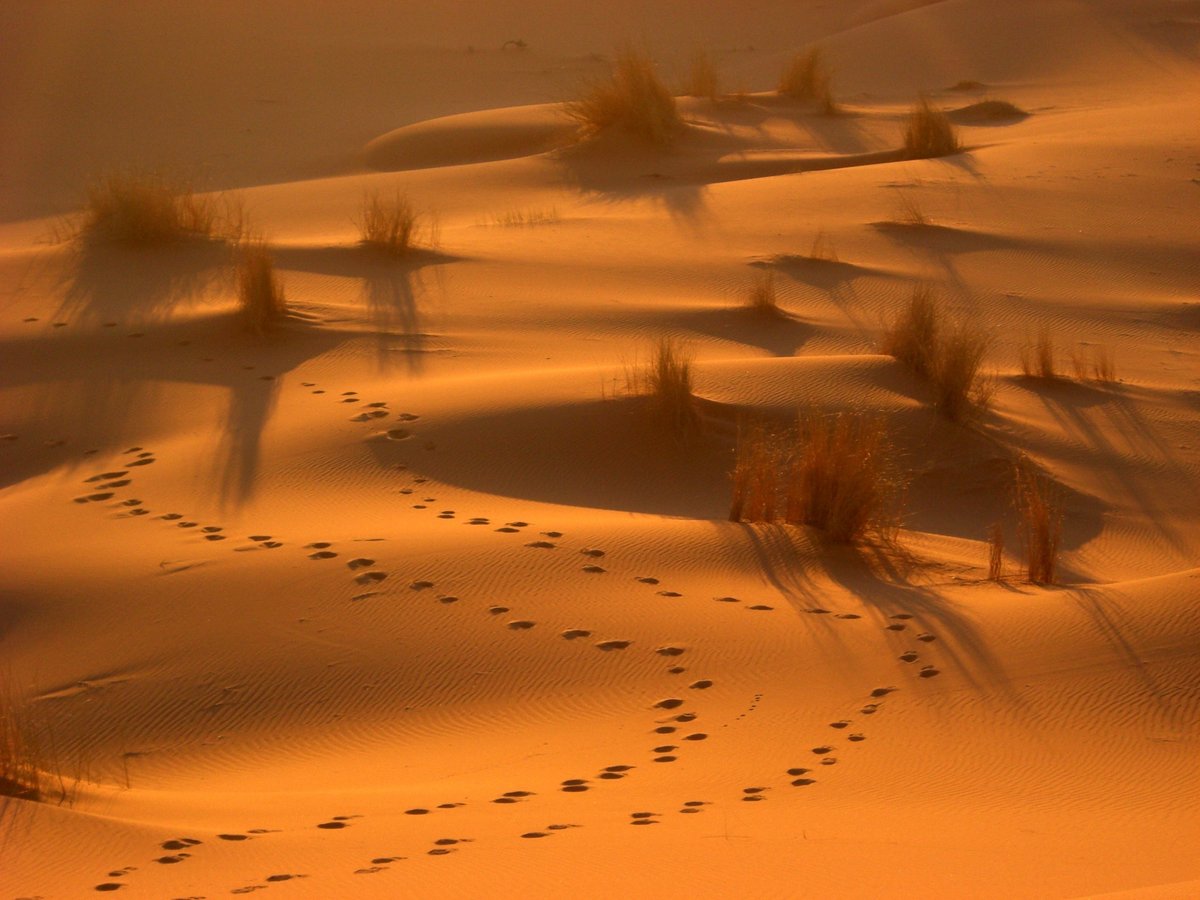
796	562
135	285
392	288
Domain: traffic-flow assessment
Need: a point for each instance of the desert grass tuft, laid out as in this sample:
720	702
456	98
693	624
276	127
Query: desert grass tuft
949	356
138	208
632	99
841	479
702	80
667	381
1040	516
391	224
20	754
996	552
762	298
928	133
806	77
1038	356
823	248
912	338
755	474
833	473
260	293
1098	365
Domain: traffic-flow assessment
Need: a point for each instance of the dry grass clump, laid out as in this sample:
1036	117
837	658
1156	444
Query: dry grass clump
948	356
20	774
1097	365
996	552
667	380
823	249
1040	516
762	298
1038	358
702	80
806	77
260	293
928	133
391	224
148	207
835	473
631	99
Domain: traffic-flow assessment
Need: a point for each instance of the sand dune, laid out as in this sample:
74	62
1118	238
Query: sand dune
416	595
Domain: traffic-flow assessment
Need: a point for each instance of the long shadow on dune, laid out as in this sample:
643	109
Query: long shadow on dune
1092	415
943	244
604	454
392	288
836	279
795	561
115	383
110	283
779	335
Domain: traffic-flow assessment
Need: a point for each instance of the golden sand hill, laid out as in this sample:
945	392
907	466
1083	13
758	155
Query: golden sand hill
415	595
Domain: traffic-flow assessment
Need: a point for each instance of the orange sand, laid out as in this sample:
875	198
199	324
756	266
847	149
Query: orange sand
465	647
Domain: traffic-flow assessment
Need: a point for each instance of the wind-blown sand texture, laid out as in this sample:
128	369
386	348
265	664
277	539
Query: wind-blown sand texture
409	597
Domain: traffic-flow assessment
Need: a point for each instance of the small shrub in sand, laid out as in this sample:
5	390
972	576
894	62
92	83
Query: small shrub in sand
754	476
260	294
667	379
391	224
928	133
1040	518
835	473
823	249
806	75
146	207
1038	358
949	357
995	552
761	298
1097	365
702	78
631	99
20	774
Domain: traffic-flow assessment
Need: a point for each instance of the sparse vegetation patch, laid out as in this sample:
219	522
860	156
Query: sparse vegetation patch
260	293
833	473
928	133
632	99
949	356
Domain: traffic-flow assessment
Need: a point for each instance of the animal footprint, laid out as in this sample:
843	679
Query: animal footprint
926	637
613	645
929	672
521	624
909	656
573	633
360	563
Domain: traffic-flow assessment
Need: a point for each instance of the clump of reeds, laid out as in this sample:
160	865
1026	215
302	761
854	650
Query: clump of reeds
667	381
1098	365
632	99
807	75
1038	356
20	752
149	207
949	356
833	473
755	474
762	298
996	552
928	133
1040	518
702	80
260	293
823	249
390	224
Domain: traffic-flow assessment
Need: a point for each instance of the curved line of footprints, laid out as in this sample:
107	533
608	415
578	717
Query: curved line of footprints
672	725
